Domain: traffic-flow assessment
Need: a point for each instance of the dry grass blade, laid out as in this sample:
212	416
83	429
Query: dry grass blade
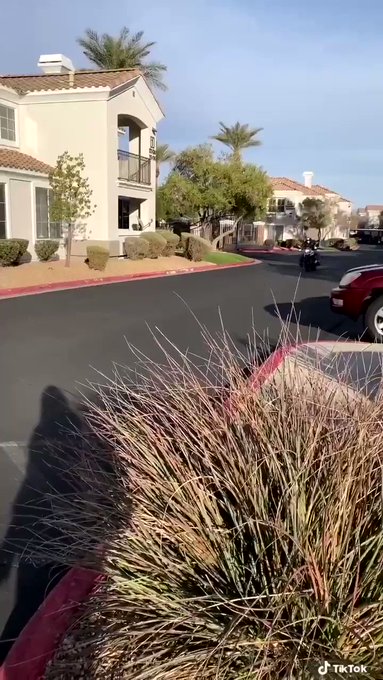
236	548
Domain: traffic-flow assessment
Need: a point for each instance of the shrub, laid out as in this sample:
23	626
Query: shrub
293	243
46	249
97	257
269	243
9	252
331	242
241	543
23	244
197	248
157	243
350	244
184	242
172	241
338	243
136	248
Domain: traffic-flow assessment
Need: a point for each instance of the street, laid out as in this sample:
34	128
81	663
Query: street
53	343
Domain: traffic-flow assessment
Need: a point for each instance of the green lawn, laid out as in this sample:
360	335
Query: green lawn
219	257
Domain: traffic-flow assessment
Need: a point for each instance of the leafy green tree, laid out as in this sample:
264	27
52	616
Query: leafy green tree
163	155
126	51
238	137
178	197
315	214
72	195
205	189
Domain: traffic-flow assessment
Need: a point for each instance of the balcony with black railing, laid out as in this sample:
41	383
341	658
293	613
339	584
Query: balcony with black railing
134	168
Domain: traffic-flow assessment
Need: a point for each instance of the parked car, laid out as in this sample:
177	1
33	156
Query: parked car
360	294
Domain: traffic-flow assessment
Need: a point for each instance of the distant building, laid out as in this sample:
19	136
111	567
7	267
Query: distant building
372	213
284	207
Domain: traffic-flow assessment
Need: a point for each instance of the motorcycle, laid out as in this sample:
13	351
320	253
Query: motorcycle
309	259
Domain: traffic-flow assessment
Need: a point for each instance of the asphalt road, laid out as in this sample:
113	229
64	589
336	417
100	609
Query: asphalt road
60	338
51	344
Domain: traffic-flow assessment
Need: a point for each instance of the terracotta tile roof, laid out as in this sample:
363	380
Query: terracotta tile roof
325	190
9	158
77	80
374	207
286	184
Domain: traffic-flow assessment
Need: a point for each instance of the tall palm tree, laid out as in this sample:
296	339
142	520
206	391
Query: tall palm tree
237	137
163	155
124	51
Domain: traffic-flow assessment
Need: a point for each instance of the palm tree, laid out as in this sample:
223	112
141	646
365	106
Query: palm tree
163	155
237	137
124	51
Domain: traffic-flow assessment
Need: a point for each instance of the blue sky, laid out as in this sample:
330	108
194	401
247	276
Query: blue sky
309	73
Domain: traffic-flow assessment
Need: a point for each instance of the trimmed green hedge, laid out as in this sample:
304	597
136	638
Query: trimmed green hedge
184	242
172	241
197	248
157	243
136	248
9	252
23	244
46	249
97	257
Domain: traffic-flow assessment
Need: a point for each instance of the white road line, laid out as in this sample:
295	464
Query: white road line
16	453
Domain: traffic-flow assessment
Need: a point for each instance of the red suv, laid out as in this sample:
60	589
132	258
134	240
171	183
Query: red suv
360	293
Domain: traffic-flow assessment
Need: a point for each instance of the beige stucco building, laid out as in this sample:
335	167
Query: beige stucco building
90	112
371	214
284	207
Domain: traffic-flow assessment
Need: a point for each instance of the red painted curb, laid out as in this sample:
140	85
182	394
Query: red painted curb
261	374
275	251
88	283
38	641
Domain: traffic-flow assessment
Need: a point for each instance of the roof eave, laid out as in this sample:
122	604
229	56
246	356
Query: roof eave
7	168
118	89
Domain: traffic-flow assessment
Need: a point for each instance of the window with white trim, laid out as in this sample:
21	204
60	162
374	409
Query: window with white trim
280	205
45	228
7	123
3	216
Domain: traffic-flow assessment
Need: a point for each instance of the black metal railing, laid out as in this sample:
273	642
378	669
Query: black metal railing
134	168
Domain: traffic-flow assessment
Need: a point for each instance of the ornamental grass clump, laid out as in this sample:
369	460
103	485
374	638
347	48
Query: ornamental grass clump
240	524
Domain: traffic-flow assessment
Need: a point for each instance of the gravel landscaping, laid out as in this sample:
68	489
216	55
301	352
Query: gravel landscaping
42	273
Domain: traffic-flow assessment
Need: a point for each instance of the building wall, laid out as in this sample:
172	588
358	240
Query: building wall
48	124
133	104
21	205
48	128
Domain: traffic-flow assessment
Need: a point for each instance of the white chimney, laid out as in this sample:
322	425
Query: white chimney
308	178
55	64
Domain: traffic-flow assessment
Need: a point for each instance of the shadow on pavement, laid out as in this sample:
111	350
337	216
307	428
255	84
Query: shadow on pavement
326	272
56	447
314	313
